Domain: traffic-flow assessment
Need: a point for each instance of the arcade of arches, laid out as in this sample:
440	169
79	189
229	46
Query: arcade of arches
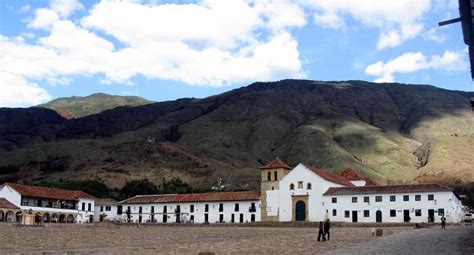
30	217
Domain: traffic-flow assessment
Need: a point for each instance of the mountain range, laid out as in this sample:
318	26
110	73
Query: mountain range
391	133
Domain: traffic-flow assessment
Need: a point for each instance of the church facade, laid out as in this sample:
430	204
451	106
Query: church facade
306	193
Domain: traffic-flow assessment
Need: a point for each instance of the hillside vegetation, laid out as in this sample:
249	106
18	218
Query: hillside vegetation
76	107
392	133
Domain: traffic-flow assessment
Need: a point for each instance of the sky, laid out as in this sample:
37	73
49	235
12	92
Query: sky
164	50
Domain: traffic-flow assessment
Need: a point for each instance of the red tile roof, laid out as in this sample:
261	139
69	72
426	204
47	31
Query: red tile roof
277	163
386	189
351	175
330	177
198	197
53	193
5	204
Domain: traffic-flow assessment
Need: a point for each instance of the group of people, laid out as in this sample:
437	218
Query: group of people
324	230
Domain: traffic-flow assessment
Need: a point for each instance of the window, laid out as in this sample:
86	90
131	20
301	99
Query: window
378	198
354	199
206	208
275	175
347	214
292	186
119	209
366	213
334	200
101	208
83	206
417	212
221	207
308	186
393	213
89	207
430	197
108	208
417	197
300	185
392	199
165	209
334	212
191	208
252	208
269	176
152	209
366	199
140	209
236	207
406	198
440	212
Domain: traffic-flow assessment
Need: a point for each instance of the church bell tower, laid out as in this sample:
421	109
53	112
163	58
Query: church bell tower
271	174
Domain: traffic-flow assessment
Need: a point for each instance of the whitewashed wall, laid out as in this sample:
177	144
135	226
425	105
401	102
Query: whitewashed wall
110	215
199	211
316	209
443	200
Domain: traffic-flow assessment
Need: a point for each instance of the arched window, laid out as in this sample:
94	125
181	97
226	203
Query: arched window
334	212
269	176
275	175
308	186
292	186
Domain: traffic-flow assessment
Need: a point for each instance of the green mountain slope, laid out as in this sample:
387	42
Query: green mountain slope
77	107
389	132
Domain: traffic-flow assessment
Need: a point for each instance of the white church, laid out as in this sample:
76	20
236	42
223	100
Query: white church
309	194
302	193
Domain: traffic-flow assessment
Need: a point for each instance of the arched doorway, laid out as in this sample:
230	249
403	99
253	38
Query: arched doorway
38	218
300	212
19	216
46	217
378	216
70	218
62	218
2	216
9	216
54	218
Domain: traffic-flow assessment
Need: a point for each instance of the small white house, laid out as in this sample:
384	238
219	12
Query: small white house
229	207
36	205
107	209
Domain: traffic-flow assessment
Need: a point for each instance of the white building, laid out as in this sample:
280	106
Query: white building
28	204
107	209
229	207
310	194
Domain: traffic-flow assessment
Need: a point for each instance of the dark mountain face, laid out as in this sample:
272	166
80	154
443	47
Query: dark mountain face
389	132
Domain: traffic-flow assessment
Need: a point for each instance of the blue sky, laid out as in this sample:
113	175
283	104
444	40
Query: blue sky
164	50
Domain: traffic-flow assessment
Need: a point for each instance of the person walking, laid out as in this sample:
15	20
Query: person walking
443	222
327	226
321	232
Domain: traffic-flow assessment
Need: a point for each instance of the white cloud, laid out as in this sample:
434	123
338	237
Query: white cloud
18	92
398	20
25	8
414	61
65	7
431	35
210	43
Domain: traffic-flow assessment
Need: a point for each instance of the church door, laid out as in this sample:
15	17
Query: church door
378	216
300	211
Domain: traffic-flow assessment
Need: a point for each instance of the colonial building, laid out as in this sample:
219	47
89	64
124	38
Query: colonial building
230	207
309	194
28	204
107	209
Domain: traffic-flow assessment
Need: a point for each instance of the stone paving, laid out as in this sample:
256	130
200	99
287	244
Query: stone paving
128	239
452	240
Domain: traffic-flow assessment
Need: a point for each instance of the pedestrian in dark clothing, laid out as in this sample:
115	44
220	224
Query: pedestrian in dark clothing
327	226
443	222
321	232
